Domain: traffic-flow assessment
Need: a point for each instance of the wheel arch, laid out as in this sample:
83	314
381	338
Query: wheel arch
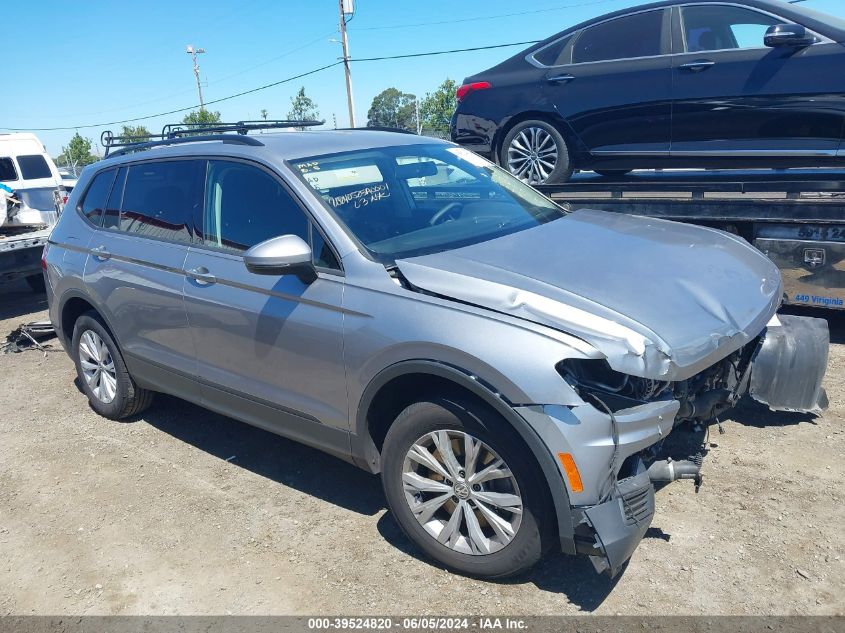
398	385
72	305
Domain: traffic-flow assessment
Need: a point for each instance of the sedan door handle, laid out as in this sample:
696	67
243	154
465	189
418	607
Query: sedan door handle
101	253
560	79
201	275
697	66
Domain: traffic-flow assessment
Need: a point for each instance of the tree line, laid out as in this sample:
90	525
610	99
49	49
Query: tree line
390	108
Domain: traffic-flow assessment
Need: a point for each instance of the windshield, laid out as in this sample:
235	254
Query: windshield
410	200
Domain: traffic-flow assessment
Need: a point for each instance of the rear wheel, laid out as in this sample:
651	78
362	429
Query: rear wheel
463	490
102	373
535	152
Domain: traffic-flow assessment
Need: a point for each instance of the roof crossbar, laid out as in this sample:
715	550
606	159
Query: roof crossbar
177	133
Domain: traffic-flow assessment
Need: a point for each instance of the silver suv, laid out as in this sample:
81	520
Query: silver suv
510	368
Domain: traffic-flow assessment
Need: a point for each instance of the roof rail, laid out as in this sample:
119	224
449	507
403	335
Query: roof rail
129	148
177	133
378	128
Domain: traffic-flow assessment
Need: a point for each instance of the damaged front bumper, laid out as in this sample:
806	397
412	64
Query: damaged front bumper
613	506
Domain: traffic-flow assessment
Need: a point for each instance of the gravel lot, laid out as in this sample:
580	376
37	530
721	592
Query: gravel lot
185	511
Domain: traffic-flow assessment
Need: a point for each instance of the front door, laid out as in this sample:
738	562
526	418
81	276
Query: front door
269	348
735	96
616	92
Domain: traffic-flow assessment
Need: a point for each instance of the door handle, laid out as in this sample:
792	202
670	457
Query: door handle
201	275
560	79
697	66
101	253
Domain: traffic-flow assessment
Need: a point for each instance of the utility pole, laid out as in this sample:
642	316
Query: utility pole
193	53
346	7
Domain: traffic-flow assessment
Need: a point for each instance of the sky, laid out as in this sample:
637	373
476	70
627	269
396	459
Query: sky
82	64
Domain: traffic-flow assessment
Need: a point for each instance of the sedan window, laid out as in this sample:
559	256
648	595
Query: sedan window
636	35
719	27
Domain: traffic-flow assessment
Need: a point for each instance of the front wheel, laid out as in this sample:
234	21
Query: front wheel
463	490
535	152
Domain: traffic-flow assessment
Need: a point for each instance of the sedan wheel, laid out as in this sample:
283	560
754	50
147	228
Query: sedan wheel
461	492
97	366
535	152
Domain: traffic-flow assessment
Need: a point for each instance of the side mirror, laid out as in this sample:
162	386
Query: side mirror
283	255
787	35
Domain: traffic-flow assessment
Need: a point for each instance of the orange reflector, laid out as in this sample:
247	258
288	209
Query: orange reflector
571	471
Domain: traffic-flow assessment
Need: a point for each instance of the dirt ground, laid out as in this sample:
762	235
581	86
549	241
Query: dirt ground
182	511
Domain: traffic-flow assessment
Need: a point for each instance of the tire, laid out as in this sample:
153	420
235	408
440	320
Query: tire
612	173
519	153
36	283
119	397
423	423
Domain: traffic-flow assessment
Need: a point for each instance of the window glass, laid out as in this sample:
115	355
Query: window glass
635	35
93	205
159	198
323	255
550	55
425	198
718	27
112	218
7	170
244	205
34	166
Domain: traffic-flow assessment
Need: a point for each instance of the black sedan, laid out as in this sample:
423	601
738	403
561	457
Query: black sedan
707	83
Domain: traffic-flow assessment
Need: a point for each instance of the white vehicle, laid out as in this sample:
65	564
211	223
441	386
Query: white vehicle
30	209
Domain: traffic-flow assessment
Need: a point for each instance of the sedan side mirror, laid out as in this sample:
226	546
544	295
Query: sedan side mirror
282	255
787	35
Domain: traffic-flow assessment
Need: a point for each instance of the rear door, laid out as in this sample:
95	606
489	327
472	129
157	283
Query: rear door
733	95
135	265
269	348
613	84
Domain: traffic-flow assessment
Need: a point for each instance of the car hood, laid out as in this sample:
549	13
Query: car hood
659	299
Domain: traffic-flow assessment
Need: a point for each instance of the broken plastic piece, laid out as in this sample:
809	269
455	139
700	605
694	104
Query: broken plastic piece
787	372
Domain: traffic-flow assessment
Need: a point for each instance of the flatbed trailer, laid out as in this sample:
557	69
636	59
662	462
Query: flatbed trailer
796	216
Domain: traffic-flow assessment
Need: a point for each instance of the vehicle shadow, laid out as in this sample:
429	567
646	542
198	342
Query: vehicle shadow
749	412
325	477
266	454
572	576
17	299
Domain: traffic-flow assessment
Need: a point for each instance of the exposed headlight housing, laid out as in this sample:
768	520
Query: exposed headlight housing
595	379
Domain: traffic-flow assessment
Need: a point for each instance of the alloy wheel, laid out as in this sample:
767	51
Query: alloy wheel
461	492
532	155
97	366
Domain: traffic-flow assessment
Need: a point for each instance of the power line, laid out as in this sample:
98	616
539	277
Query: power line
177	111
265	86
428	54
